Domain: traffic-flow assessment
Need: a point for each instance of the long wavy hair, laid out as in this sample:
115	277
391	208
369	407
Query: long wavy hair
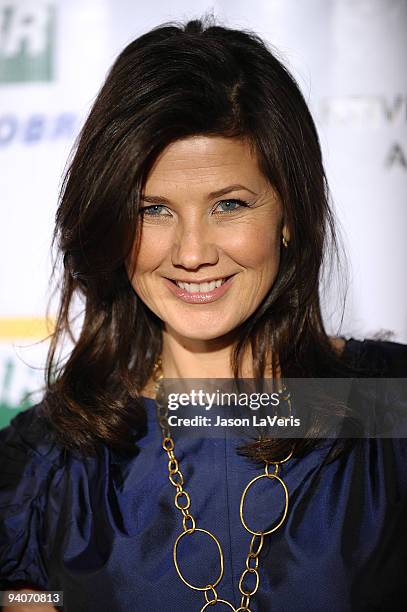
175	81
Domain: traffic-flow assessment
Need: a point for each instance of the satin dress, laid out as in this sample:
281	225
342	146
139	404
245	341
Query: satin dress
102	529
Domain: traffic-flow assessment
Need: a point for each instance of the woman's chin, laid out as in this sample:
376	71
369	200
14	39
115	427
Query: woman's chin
198	332
201	335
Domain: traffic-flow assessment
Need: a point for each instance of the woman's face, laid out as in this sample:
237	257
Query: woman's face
207	213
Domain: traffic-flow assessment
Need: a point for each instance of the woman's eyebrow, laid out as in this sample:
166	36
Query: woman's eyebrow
214	194
220	192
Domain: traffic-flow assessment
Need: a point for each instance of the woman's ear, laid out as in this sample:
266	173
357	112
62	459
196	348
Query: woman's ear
285	234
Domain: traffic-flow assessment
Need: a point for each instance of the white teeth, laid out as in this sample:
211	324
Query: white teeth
202	287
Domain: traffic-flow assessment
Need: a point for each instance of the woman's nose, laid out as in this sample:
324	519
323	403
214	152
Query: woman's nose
194	244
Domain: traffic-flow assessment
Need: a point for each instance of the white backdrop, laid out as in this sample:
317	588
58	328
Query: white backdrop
348	57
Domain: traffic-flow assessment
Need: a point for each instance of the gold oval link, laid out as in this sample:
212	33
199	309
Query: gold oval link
181	535
168	443
174	481
256	562
269	477
266	470
163	420
260	546
290	454
173	470
211	588
244	609
241	589
245	602
179	494
184	522
220	601
165	429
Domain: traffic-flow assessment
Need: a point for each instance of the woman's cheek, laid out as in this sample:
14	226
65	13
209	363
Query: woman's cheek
255	247
153	250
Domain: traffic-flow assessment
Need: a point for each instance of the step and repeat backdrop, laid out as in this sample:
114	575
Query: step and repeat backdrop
348	56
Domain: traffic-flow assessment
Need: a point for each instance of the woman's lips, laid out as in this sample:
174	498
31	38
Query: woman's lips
198	297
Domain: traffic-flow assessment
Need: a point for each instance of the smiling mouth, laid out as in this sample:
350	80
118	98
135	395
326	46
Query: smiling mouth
203	293
203	286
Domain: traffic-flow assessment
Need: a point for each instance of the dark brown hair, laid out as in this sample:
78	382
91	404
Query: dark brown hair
175	81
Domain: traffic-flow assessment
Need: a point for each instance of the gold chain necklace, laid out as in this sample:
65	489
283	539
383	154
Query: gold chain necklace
183	503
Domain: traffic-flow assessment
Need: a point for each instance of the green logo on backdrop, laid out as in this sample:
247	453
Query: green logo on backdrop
27	41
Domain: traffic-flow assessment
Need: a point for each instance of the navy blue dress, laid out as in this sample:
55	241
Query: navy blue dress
102	530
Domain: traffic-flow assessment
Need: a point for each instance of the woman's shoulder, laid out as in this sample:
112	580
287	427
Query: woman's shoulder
30	435
374	356
385	357
29	456
30	474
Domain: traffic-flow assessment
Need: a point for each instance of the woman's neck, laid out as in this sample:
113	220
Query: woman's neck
186	359
189	358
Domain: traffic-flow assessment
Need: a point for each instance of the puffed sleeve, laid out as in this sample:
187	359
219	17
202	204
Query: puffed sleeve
29	464
390	357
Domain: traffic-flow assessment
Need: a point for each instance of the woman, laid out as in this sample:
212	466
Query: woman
193	223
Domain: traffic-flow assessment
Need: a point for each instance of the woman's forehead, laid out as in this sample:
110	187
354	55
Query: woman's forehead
206	161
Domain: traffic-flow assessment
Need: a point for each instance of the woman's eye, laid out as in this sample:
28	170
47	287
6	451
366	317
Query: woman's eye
230	205
153	211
